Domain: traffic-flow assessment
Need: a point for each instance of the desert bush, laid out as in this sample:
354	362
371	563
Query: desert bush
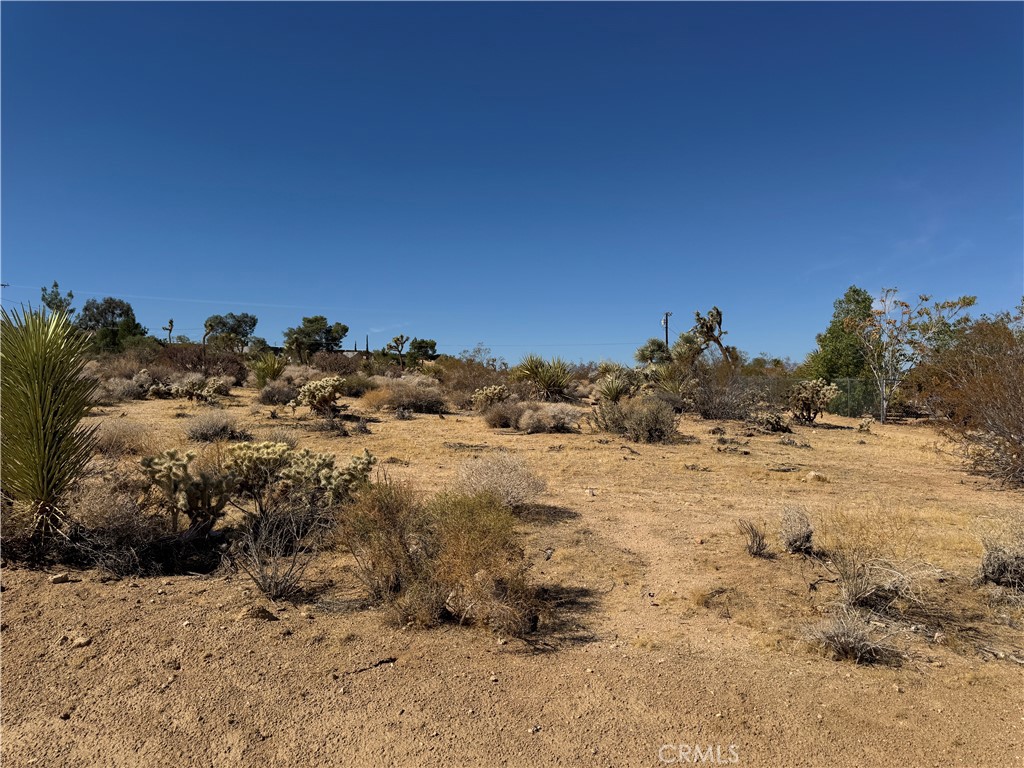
411	397
266	368
210	427
718	391
357	385
336	363
847	637
976	386
548	379
607	416
281	435
809	399
796	531
277	548
300	375
505	477
460	377
119	437
757	538
193	358
1003	564
114	391
649	420
504	415
44	448
456	558
549	417
278	393
321	396
485	397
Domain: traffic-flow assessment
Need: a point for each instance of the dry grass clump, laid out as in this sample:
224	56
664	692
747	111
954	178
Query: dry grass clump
456	558
118	437
213	426
796	531
847	637
873	554
502	476
757	538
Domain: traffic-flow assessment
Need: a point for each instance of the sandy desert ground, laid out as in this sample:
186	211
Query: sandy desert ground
665	636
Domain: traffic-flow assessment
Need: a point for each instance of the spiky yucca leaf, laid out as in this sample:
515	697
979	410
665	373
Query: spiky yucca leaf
44	398
551	380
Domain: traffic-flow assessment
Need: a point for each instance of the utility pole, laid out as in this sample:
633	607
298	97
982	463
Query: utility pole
664	322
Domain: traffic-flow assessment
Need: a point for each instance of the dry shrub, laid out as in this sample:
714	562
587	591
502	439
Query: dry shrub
336	363
504	415
796	531
119	437
975	386
456	558
503	476
847	637
1002	563
299	375
412	397
642	420
459	378
212	426
718	391
757	538
194	358
117	390
281	435
277	547
549	417
278	393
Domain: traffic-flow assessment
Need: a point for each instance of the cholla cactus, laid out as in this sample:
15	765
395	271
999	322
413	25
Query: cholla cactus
266	470
865	424
809	398
201	498
485	397
320	396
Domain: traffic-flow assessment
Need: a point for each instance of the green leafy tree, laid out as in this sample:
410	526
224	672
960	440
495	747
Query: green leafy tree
839	354
421	349
110	323
43	446
230	332
898	335
314	335
55	301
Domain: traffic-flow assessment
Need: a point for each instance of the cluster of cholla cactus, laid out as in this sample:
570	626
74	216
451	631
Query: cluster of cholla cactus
262	473
265	471
808	399
485	397
193	387
202	498
321	396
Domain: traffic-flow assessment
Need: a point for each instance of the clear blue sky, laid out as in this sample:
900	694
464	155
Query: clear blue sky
545	177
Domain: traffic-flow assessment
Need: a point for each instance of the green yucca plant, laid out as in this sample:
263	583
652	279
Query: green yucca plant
267	367
551	380
44	398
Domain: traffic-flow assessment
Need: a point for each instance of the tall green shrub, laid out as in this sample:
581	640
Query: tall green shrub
44	447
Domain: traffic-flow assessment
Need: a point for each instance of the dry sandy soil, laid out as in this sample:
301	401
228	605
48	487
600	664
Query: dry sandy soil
665	634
